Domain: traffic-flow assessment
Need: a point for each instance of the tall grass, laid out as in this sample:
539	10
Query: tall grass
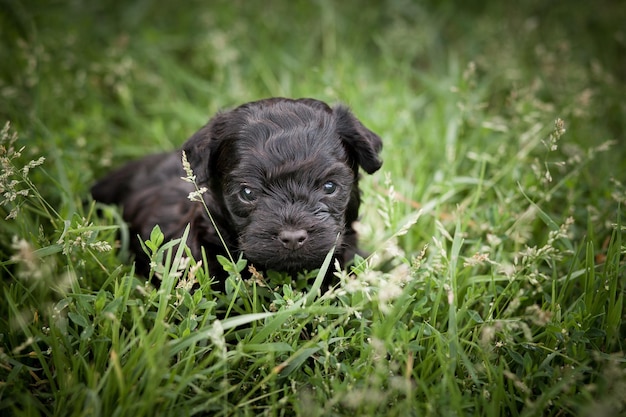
496	280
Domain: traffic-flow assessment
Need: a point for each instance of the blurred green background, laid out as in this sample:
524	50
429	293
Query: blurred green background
120	79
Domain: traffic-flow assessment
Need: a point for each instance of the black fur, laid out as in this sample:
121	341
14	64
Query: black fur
282	179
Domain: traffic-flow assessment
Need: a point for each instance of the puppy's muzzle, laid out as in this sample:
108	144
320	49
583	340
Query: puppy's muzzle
293	239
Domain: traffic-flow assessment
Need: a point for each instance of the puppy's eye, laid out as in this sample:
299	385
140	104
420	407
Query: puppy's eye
247	195
329	187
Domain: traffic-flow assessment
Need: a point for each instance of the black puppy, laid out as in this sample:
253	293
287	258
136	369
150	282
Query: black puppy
282	186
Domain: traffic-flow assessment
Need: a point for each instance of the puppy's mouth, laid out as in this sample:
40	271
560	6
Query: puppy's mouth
289	249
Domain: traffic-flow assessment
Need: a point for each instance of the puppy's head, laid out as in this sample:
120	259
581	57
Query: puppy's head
287	173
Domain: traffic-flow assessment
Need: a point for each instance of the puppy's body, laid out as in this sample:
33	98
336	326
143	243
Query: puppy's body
282	179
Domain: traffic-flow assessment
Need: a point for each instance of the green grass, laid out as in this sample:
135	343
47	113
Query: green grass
497	277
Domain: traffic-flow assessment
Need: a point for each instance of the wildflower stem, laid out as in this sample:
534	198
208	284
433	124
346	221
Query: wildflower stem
197	196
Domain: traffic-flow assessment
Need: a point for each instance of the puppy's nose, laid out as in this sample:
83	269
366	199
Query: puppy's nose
293	239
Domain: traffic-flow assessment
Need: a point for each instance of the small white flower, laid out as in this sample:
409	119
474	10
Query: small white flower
197	195
187	168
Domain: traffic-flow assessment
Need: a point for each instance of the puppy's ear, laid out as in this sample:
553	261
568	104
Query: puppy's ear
362	144
202	149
